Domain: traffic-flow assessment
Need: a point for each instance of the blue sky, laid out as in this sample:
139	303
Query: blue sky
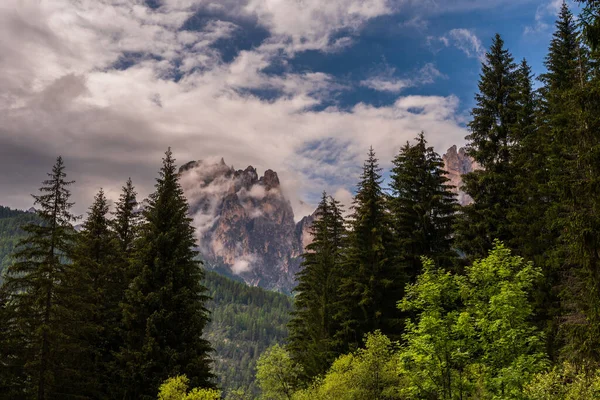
300	86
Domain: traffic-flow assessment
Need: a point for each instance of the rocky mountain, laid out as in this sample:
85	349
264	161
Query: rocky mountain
458	163
245	224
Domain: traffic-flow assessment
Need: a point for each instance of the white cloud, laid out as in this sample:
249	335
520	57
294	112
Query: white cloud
543	15
62	95
466	41
244	264
417	23
386	82
311	24
345	197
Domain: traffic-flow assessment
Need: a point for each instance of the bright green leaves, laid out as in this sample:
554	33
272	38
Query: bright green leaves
278	375
177	389
472	333
367	374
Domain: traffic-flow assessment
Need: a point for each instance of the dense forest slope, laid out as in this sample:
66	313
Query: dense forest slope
10	232
244	320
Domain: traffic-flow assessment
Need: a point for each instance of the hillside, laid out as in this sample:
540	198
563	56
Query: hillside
244	320
10	232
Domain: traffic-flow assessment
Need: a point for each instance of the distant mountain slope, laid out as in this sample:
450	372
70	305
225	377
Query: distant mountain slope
457	163
245	321
245	224
11	232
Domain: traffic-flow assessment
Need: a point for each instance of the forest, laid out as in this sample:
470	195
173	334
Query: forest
410	297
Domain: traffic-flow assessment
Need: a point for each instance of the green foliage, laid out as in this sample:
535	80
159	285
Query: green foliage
590	20
491	141
98	282
277	374
177	389
36	303
11	233
126	221
367	374
572	125
473	335
436	354
422	207
312	328
564	382
164	312
245	321
372	280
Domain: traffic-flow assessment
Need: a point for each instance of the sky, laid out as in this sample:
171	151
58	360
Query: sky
302	87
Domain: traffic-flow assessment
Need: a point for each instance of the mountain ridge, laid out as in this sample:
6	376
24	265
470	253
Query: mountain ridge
246	226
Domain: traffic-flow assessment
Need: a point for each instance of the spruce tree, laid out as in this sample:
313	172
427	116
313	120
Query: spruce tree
97	279
575	130
36	304
164	311
312	328
422	207
544	155
491	143
126	218
590	19
372	282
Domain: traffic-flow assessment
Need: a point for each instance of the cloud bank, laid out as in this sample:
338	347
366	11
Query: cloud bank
109	84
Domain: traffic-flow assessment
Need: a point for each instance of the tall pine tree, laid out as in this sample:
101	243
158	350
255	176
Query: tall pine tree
164	312
491	143
312	328
590	18
36	302
545	160
126	218
97	280
576	152
530	197
372	282
422	207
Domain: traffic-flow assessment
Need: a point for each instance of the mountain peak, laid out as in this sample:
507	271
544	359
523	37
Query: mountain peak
244	225
457	163
270	180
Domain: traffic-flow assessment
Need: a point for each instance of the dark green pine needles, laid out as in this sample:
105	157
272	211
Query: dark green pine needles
371	280
164	313
422	207
313	328
38	321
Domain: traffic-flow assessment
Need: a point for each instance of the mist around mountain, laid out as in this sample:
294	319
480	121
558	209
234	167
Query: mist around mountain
246	227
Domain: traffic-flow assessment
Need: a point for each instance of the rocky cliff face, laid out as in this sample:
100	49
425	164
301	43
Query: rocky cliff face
245	225
458	163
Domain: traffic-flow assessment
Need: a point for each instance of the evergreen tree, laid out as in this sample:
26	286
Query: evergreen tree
164	311
97	279
371	282
126	218
590	18
545	158
576	129
36	306
422	207
491	143
312	327
530	197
